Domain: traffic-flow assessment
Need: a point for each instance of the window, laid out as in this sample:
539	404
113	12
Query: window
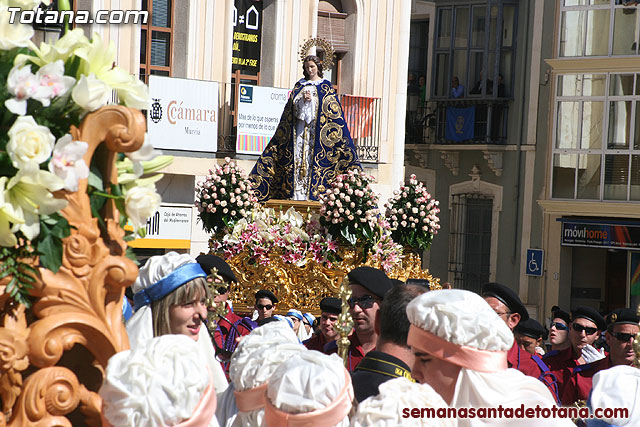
419	47
596	154
599	28
156	39
475	44
470	241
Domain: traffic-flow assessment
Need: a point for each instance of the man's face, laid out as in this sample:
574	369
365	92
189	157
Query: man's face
455	82
558	335
439	374
265	308
364	318
579	339
326	326
620	341
511	319
526	343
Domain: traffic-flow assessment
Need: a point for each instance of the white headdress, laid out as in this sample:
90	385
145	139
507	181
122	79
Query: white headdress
140	326
163	383
388	408
309	388
461	328
252	364
618	387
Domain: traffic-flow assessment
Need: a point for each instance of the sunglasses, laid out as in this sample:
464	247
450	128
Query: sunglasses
365	302
222	290
559	326
623	336
587	329
264	307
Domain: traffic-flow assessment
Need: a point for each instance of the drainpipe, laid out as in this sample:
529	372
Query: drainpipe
523	133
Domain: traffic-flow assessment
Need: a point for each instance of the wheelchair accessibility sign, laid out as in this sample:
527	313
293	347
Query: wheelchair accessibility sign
535	258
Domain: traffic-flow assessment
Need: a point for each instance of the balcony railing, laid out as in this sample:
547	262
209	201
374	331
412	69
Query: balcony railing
427	124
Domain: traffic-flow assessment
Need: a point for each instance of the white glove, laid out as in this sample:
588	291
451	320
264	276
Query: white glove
590	354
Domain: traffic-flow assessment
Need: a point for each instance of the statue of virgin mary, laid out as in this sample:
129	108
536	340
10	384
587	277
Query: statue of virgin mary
311	145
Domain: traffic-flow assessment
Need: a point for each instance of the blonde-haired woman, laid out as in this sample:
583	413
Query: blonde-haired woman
170	296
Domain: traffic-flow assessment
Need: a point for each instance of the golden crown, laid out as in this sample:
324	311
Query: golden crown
325	45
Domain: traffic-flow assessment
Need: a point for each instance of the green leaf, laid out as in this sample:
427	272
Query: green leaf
50	250
95	179
131	255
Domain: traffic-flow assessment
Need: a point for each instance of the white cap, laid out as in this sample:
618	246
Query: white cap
159	384
308	382
462	318
618	387
158	267
395	400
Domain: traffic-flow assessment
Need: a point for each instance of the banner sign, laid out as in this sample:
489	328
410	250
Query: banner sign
183	114
600	235
259	112
359	113
169	227
247	29
460	123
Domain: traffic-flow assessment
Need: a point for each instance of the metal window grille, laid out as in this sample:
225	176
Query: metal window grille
470	240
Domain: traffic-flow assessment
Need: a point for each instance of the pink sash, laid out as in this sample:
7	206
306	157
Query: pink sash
461	355
251	399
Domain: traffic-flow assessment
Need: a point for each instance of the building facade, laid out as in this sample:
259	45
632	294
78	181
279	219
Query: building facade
196	40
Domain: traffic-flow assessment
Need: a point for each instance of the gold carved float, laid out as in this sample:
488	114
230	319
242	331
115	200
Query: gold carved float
53	355
302	287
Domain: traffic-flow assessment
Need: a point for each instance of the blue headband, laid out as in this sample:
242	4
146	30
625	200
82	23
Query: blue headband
309	318
294	314
168	284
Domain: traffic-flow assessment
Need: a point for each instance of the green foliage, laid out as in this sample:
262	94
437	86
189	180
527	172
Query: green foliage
16	265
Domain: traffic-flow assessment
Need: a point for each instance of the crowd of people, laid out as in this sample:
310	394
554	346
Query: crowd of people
414	355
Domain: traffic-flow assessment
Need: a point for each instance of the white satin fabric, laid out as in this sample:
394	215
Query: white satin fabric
307	382
396	395
462	318
509	388
618	387
158	267
159	384
252	364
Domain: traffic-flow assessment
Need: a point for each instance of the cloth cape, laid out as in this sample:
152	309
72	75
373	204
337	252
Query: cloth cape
333	150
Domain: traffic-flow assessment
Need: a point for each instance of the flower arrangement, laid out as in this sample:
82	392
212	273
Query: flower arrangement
413	215
224	197
350	210
263	234
44	91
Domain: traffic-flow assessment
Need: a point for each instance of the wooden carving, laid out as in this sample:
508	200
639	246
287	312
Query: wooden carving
75	325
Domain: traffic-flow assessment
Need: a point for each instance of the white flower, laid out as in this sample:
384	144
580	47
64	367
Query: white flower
22	84
145	153
61	49
13	35
133	92
53	80
91	93
67	162
140	203
8	216
30	194
29	142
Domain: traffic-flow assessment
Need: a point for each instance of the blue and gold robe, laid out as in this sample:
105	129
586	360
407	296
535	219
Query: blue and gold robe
333	150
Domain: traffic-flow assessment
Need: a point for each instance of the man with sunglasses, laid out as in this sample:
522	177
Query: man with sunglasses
265	304
368	286
622	327
508	306
231	326
574	374
330	308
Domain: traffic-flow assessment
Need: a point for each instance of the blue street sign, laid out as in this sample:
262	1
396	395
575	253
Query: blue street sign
534	262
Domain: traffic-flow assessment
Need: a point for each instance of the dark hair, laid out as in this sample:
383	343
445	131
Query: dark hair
318	63
394	323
